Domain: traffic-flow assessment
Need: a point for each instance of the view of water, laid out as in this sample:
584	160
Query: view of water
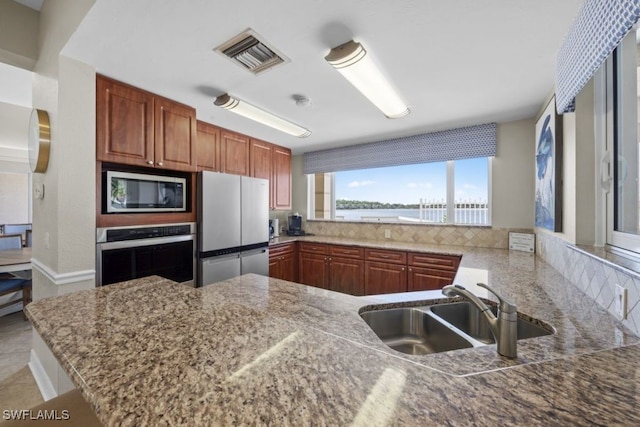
463	216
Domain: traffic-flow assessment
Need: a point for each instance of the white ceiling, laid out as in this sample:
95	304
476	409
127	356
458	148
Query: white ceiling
456	63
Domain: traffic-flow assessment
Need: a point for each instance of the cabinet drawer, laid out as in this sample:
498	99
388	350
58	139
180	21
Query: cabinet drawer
281	249
314	248
391	257
441	262
346	252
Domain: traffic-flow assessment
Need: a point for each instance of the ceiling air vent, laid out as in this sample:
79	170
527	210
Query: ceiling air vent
251	53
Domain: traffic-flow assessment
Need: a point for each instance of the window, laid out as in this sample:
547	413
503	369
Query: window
441	192
623	198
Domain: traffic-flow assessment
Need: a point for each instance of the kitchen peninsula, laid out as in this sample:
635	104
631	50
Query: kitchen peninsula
255	350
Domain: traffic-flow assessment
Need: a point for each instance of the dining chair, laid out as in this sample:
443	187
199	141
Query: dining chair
10	241
29	239
13	285
17	229
10	284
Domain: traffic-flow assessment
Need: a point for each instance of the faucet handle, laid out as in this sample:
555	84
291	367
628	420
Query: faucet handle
506	306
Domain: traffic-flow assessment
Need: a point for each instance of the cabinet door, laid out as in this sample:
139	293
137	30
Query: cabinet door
346	275
175	135
124	124
260	159
275	267
208	147
426	279
281	178
282	262
382	278
234	150
288	270
312	270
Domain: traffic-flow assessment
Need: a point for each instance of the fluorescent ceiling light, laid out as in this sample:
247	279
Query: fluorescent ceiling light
261	116
352	61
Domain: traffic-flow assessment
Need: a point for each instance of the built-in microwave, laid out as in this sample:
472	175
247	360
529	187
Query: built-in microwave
135	192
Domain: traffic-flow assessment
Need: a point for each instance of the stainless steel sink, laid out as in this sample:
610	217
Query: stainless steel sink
440	327
413	331
468	319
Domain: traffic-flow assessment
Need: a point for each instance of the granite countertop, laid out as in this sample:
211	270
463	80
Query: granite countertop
255	350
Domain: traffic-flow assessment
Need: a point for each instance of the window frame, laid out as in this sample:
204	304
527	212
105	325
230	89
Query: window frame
617	127
450	198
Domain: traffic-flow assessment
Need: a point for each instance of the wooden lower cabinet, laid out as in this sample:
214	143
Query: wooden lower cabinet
320	268
358	271
426	279
346	275
431	271
312	270
283	263
383	278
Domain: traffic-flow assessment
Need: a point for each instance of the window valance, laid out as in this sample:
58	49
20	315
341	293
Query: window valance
455	144
595	33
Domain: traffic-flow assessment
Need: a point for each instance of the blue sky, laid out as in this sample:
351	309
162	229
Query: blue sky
407	184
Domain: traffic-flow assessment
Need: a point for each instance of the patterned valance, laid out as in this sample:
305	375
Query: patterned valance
462	143
595	33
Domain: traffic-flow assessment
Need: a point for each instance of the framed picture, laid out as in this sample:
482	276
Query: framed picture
549	168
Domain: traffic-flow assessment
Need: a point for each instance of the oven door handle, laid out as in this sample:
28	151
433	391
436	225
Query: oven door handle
144	242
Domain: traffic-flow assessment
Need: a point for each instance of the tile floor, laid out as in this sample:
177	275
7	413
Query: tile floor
18	389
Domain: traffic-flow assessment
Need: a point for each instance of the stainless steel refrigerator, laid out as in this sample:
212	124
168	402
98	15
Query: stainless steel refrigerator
233	226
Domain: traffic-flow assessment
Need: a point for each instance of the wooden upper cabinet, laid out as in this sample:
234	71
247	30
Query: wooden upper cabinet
136	127
124	124
281	188
272	162
234	149
208	147
261	159
175	135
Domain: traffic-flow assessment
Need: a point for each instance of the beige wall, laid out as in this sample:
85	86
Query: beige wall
512	178
18	34
64	221
513	169
585	181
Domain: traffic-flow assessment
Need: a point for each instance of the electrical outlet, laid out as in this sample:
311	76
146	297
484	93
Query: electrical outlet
387	234
620	301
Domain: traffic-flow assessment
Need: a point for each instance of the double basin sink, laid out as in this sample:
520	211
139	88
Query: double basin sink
441	327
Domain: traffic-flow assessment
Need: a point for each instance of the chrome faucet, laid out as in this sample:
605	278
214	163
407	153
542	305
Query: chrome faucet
504	327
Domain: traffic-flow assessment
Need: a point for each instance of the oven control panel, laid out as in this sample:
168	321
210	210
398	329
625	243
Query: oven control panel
119	234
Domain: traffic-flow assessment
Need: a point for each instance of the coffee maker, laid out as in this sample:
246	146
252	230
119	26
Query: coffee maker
295	225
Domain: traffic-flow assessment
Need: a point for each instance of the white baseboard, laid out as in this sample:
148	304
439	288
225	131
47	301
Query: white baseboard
47	390
63	278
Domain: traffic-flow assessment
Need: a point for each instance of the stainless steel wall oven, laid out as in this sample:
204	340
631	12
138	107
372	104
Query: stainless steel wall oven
125	253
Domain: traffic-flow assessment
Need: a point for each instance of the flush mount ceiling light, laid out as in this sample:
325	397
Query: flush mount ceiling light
352	61
261	116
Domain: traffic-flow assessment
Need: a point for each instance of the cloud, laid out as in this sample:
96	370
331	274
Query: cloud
427	185
470	187
355	184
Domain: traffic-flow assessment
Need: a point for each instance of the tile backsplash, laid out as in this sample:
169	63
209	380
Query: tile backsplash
595	276
459	235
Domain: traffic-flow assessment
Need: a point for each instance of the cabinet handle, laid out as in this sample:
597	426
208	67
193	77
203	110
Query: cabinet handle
402	268
150	162
384	256
410	269
160	164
